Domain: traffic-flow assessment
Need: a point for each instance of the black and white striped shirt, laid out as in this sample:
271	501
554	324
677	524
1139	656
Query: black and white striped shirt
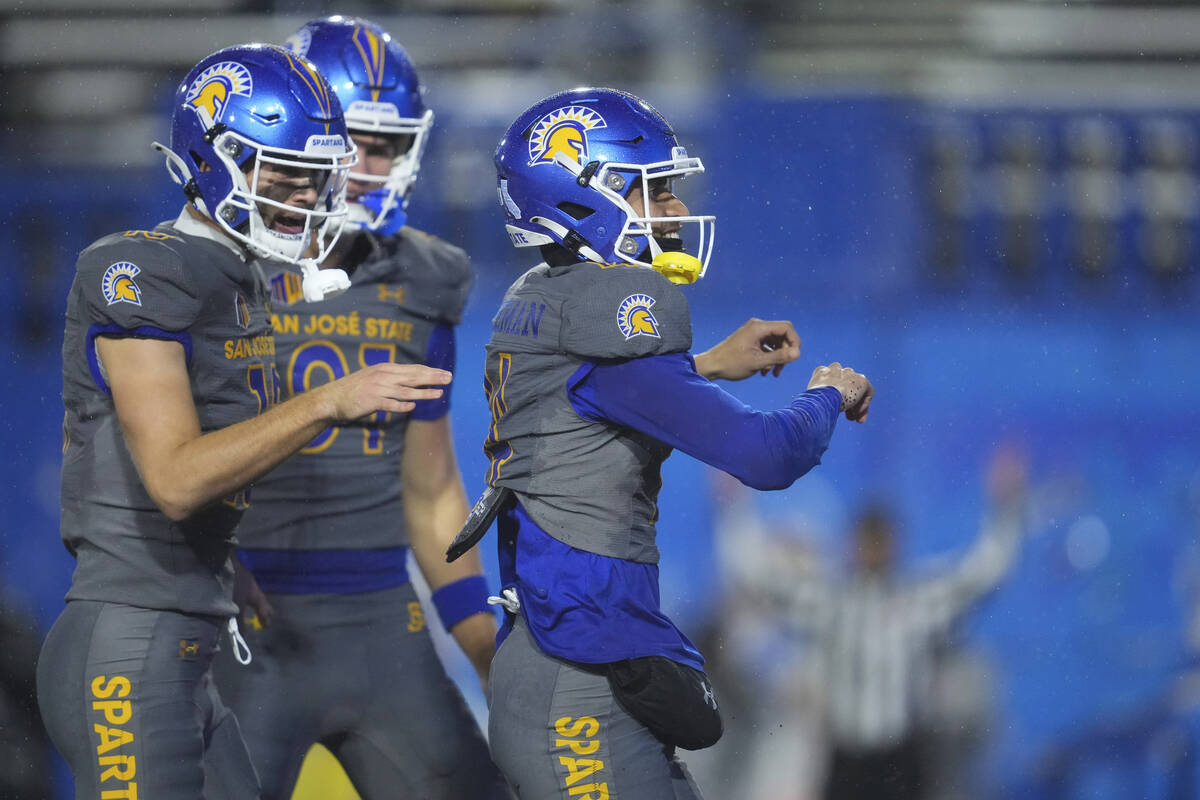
875	635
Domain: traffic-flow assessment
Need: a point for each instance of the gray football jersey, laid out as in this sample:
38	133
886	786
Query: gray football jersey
591	485
342	491
162	284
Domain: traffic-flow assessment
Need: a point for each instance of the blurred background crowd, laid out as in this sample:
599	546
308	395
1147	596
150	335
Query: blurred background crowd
990	208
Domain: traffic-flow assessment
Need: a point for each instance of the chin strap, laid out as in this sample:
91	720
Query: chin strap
178	169
319	284
577	243
387	220
392	222
176	166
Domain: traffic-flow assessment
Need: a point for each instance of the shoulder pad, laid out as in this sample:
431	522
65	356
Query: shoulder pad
530	315
135	279
623	312
439	275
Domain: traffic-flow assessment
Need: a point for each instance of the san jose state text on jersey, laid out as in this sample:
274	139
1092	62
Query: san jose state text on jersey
407	292
352	325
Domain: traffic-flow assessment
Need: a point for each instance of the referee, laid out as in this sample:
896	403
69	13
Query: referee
876	634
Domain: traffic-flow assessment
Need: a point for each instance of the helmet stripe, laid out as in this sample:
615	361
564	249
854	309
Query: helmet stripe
320	90
370	48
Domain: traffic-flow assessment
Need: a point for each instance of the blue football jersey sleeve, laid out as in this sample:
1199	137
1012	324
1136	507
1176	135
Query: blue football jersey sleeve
664	397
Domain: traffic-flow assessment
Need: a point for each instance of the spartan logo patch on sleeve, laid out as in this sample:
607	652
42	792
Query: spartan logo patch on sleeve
634	317
118	285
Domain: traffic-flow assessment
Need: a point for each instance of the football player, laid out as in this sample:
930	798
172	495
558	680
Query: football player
347	659
591	385
168	384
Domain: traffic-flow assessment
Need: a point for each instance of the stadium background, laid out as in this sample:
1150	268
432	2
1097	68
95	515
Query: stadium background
989	208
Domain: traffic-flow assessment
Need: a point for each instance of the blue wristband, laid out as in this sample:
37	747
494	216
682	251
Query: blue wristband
457	601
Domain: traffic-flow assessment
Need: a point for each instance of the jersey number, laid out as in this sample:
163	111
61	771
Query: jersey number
320	361
266	388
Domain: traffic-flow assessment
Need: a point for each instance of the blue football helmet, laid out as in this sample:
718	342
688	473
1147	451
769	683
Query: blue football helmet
253	106
381	94
566	165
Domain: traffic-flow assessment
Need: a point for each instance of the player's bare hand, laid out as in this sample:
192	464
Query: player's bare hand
758	346
384	387
856	390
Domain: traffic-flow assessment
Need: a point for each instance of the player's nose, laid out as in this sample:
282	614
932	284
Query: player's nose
672	206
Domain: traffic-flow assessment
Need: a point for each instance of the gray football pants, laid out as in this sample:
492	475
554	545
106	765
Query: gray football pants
357	673
557	733
127	697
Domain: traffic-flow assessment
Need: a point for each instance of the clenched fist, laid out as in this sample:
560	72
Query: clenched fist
760	346
856	390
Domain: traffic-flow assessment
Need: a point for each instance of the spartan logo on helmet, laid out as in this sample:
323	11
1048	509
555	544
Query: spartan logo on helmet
563	130
209	93
634	317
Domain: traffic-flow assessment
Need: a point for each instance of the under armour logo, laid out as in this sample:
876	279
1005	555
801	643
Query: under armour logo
709	697
386	293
